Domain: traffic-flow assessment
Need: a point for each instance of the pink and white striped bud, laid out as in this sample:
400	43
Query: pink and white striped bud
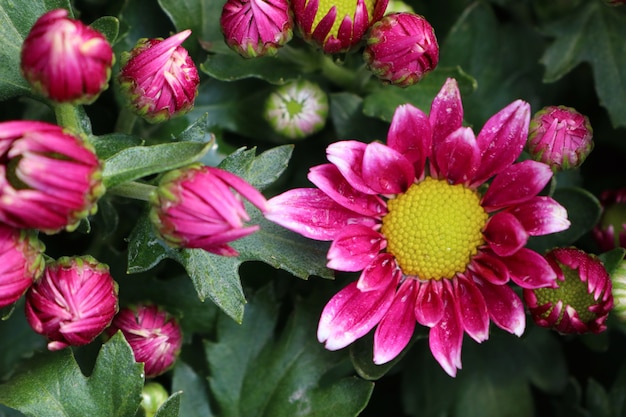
159	78
401	49
153	335
610	232
22	263
73	302
559	136
618	279
336	26
201	207
255	28
581	298
49	178
65	60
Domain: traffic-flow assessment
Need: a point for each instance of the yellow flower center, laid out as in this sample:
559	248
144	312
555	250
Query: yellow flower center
344	8
434	229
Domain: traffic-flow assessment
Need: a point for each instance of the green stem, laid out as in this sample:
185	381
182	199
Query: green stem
69	117
349	79
125	122
132	189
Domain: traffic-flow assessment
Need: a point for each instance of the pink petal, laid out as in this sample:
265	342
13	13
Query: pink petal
472	309
241	186
347	156
505	308
378	273
385	170
429	303
517	184
528	269
411	135
351	314
541	216
446	111
505	234
502	139
354	248
458	156
396	328
446	337
488	266
312	213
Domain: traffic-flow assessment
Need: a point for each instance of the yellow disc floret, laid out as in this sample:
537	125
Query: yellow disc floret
344	8
434	229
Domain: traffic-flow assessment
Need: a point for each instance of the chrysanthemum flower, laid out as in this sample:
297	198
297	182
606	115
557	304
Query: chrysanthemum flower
336	26
581	297
256	27
73	302
433	242
65	60
196	207
159	78
610	232
49	178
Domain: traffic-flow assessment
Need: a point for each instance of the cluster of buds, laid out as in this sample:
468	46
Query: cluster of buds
610	232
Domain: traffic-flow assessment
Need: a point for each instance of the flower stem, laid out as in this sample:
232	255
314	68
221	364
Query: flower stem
125	122
73	118
132	189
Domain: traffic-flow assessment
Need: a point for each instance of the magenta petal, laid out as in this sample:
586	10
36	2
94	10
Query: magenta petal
446	337
505	307
528	269
411	135
347	156
378	273
396	328
472	309
385	170
488	266
502	139
354	248
351	314
312	213
457	156
446	111
541	216
429	304
519	183
505	234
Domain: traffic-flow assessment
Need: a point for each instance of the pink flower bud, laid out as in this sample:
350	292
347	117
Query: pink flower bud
195	207
581	298
22	263
256	27
65	60
49	178
153	335
610	232
73	302
401	49
159	78
559	136
336	26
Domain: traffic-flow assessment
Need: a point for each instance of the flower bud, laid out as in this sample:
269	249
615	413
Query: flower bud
297	109
581	298
610	232
401	49
153	395
195	207
153	335
336	26
22	263
256	27
159	78
559	136
49	178
73	302
65	60
618	278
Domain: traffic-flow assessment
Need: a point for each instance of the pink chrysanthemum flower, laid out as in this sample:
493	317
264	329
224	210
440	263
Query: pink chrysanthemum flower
49	178
21	263
73	302
65	60
336	26
153	335
256	27
434	243
159	78
195	207
581	297
610	232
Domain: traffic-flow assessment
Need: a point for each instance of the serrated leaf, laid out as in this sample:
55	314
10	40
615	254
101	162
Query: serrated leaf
194	401
108	145
594	34
260	171
113	389
170	407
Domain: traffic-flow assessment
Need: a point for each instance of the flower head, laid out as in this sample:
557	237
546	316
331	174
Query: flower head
560	137
195	207
580	299
336	26
49	178
297	109
73	302
153	335
22	263
610	232
65	60
159	78
256	27
431	246
401	49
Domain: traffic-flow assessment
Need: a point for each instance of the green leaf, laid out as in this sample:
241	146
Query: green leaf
230	66
260	171
612	259
346	112
108	145
109	26
170	407
52	385
597	400
256	373
594	34
193	402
